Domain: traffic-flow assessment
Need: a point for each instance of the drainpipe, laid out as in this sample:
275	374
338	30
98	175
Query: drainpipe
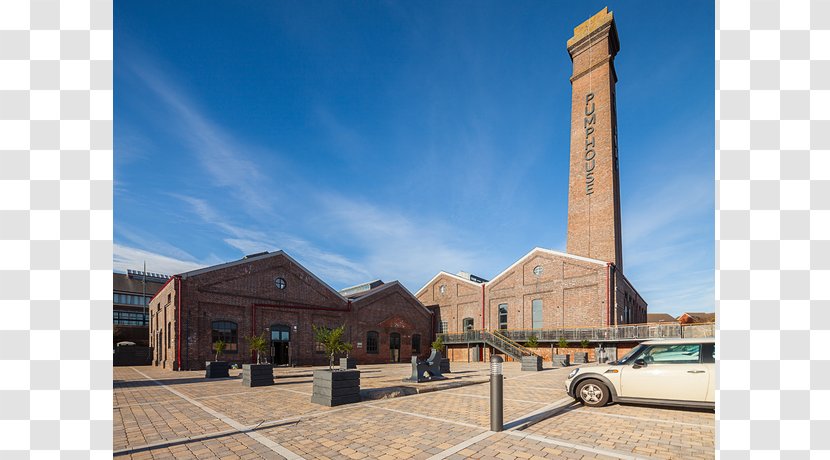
179	322
483	323
608	294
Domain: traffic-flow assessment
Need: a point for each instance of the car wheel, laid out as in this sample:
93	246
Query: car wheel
593	393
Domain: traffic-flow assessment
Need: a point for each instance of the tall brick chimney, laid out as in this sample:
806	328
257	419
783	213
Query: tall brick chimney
594	188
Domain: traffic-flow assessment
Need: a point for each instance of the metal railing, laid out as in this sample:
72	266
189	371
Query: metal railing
504	344
629	332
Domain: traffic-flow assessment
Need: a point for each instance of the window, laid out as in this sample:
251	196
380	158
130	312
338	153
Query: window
168	334
227	332
672	354
709	354
280	283
442	289
538	270
503	316
468	324
280	333
443	327
129	318
372	342
416	344
538	321
168	298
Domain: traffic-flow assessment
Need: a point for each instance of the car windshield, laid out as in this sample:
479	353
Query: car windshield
630	355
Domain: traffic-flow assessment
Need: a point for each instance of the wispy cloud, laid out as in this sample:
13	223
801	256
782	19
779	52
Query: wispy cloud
128	257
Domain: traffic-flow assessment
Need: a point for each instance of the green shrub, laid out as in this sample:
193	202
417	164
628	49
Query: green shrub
532	342
332	341
562	342
584	343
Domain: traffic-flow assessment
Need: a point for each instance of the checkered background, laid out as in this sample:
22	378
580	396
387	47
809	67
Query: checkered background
55	229
772	213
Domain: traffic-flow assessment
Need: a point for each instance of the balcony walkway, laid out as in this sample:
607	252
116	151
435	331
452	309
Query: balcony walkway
625	333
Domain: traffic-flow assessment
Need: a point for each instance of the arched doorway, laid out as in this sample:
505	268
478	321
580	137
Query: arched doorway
280	344
395	347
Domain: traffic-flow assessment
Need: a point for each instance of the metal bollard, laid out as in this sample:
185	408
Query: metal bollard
496	394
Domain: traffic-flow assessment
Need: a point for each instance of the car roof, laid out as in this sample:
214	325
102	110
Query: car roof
678	341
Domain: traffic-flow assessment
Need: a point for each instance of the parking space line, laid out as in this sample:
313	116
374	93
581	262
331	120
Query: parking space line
646	419
561	443
506	399
468	425
461	446
275	446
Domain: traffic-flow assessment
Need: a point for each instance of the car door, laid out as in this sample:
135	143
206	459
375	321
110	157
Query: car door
671	371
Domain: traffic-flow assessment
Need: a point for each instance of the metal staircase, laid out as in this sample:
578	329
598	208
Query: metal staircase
492	338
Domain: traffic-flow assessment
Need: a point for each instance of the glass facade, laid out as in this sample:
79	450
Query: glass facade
127	299
129	318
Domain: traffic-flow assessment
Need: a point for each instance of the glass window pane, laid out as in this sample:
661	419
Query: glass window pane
538	322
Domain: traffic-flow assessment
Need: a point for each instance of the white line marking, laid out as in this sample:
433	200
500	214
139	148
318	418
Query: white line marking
645	419
276	447
426	417
461	446
558	442
506	399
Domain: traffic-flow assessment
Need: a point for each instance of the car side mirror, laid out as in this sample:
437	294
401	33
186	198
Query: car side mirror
638	363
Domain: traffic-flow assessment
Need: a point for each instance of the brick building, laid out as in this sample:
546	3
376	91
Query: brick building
272	294
584	287
131	293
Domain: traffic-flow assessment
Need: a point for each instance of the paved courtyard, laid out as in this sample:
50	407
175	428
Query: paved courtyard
163	415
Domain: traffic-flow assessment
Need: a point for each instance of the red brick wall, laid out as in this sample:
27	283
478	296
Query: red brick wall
593	217
246	295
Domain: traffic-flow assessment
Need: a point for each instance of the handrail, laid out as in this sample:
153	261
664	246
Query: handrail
525	351
593	334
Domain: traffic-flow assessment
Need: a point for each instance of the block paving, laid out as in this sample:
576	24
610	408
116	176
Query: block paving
161	414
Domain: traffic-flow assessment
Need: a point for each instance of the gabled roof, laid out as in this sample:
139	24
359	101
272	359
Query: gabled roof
699	317
549	252
473	283
255	258
660	318
371	293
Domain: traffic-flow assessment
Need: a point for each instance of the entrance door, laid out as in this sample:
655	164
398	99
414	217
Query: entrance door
279	353
395	347
280	344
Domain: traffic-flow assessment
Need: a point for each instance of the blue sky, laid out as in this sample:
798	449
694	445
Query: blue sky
393	140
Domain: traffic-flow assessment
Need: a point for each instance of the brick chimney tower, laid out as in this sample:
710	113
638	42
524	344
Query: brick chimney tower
594	228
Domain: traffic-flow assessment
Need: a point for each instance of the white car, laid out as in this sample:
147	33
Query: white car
666	372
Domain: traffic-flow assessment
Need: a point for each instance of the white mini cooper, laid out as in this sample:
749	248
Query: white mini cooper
667	372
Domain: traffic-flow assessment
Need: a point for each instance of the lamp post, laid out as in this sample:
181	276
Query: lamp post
496	394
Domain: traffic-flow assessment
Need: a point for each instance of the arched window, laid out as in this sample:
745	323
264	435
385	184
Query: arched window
468	324
227	332
372	342
416	344
538	322
503	316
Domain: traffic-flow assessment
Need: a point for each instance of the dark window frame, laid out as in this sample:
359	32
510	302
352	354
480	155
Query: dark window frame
503	324
228	331
416	344
466	321
534	320
372	343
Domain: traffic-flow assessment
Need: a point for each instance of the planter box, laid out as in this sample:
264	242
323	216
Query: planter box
445	366
532	363
333	388
348	363
580	357
257	375
216	369
562	360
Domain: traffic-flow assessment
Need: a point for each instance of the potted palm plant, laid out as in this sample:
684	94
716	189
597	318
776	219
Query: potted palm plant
562	359
259	374
333	387
216	368
581	357
534	361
